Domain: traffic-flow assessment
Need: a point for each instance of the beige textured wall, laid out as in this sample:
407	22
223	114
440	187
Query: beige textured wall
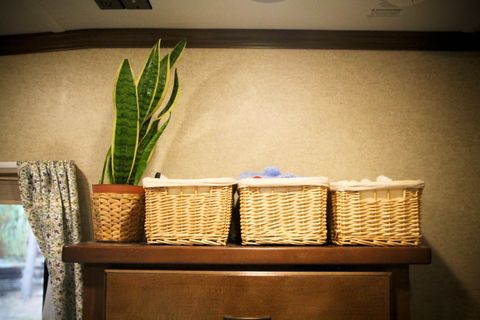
342	114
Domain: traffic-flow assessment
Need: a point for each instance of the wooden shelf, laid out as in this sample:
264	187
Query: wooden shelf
141	253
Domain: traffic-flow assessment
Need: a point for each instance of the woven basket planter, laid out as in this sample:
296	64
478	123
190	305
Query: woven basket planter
118	213
387	215
188	212
283	211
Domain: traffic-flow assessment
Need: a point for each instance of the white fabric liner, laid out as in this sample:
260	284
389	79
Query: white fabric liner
283	182
376	185
164	182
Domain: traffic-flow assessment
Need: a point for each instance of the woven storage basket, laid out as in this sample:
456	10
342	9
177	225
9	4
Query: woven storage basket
376	214
188	212
283	211
118	213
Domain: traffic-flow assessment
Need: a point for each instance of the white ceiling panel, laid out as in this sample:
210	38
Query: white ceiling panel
31	16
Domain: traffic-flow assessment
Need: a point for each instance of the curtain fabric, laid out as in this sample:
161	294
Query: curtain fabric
48	190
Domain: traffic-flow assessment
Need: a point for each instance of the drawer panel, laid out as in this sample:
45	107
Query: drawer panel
210	295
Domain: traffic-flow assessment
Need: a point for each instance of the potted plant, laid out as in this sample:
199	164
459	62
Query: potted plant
141	116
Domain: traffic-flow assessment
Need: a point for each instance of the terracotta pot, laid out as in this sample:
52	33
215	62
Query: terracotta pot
118	212
118	188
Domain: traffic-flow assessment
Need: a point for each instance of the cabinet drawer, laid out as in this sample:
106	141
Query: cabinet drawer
211	295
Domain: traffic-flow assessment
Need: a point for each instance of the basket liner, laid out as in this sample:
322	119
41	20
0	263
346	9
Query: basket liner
376	185
283	182
164	182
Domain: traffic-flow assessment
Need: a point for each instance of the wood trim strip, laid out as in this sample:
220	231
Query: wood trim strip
240	38
94	285
94	252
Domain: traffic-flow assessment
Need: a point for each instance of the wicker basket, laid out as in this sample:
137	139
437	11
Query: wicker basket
188	212
118	213
377	215
283	211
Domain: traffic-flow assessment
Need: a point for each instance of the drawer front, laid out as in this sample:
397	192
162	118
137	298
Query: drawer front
211	295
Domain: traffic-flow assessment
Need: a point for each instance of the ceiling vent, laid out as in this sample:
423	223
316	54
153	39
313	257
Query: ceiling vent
124	4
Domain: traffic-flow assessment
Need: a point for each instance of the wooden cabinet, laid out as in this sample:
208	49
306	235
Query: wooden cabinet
138	281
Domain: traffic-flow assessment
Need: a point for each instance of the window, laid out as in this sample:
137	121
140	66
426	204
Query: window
21	263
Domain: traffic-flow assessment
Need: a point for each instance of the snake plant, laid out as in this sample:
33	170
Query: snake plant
139	120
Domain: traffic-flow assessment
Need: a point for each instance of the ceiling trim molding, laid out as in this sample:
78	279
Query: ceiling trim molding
240	38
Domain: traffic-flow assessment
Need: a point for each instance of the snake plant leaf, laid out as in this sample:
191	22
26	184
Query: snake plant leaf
148	150
163	80
125	133
177	52
106	166
147	83
109	167
136	130
161	90
141	146
173	96
166	65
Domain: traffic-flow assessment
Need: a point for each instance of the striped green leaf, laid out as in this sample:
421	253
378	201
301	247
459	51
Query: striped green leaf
106	167
161	90
177	52
136	131
166	64
147	83
148	149
163	79
173	96
125	134
142	145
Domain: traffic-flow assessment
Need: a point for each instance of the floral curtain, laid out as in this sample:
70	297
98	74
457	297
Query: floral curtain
48	190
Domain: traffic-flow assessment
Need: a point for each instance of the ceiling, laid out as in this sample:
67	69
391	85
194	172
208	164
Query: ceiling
35	16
